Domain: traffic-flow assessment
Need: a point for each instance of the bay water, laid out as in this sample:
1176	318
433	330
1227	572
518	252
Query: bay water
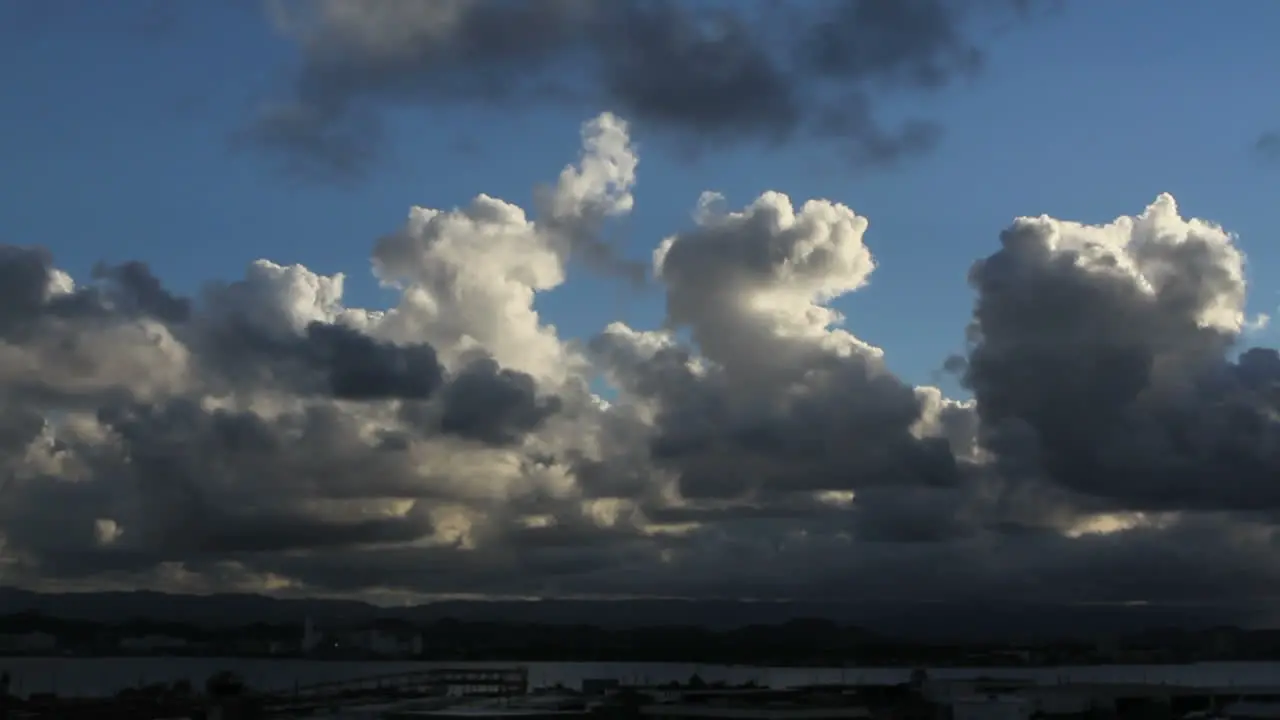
104	676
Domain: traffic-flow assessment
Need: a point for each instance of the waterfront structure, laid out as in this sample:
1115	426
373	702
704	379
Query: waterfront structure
1252	710
28	643
751	703
693	711
382	639
992	707
152	643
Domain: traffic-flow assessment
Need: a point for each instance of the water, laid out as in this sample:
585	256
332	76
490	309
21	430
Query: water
104	676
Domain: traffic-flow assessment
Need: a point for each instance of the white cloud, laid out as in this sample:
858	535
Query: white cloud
267	436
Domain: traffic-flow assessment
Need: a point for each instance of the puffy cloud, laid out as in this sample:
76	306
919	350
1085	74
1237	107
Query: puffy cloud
1102	353
266	420
720	72
1120	443
779	400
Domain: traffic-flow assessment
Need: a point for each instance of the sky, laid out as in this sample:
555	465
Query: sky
831	300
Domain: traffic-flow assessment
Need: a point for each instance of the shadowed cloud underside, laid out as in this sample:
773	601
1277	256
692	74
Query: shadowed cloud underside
708	73
1120	443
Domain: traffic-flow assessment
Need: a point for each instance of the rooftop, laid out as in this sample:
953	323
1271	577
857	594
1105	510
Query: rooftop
756	712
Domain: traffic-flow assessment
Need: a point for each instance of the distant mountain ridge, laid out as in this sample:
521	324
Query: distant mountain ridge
919	621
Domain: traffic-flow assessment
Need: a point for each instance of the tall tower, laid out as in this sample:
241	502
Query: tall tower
310	638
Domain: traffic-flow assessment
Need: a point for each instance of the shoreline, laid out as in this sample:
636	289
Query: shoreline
545	660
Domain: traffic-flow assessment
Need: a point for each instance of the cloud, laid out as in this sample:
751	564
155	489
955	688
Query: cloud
1121	443
722	72
1268	145
1099	351
266	419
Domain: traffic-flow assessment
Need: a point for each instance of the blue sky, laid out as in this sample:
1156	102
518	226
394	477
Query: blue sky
114	139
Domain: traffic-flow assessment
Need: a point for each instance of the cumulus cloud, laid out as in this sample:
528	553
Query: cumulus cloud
718	72
1099	351
1120	443
267	419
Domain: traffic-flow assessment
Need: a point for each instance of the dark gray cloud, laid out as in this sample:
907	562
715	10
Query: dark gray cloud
361	368
1109	416
711	72
782	409
499	406
1121	443
1114	359
183	471
34	291
149	437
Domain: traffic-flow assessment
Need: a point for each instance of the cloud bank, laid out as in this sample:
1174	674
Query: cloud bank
712	72
1120	444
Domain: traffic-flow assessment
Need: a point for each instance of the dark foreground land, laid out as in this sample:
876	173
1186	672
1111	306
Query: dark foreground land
225	697
959	623
802	642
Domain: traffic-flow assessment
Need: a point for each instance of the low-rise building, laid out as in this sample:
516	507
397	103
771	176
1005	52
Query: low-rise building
382	638
745	703
747	711
152	643
600	686
1252	710
28	642
992	707
385	642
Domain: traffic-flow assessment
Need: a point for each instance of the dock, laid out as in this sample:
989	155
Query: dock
445	685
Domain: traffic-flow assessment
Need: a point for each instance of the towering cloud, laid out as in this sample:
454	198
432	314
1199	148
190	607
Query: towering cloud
1120	443
712	71
266	419
1101	352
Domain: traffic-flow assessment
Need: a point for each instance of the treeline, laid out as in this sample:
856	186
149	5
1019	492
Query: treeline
84	635
797	643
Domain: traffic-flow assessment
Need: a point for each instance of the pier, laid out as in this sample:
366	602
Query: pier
443	683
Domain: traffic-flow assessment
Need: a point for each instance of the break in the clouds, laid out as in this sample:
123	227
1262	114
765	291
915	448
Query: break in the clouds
707	72
1120	443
